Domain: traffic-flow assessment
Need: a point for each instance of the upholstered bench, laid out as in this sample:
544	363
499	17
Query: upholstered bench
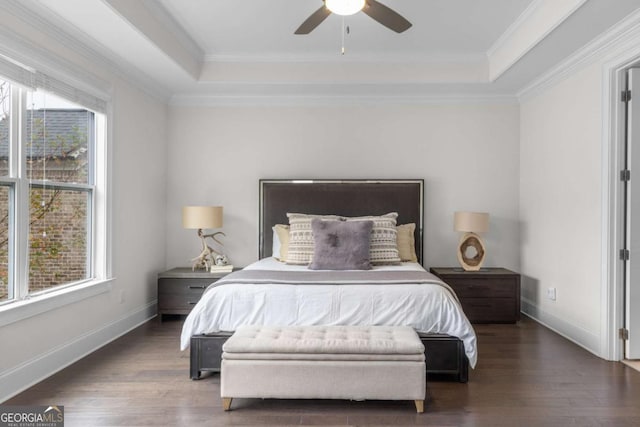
324	362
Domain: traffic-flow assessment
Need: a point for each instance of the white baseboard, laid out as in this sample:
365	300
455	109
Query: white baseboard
31	372
575	334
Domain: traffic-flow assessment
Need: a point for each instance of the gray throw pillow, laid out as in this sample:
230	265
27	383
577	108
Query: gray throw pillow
341	245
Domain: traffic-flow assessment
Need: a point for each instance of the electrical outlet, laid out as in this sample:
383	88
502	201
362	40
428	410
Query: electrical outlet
121	296
551	294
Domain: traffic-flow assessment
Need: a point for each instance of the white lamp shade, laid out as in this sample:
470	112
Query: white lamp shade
202	216
471	222
344	7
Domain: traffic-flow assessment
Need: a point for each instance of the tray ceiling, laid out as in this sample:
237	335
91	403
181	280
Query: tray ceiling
210	51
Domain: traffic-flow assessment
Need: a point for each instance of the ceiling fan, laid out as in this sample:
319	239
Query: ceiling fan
379	12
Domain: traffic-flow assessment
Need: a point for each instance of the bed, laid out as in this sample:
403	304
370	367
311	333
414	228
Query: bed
272	293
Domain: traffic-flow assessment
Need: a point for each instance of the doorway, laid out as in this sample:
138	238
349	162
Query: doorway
630	254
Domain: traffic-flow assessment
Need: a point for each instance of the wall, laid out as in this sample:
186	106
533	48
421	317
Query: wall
560	205
571	139
467	153
36	347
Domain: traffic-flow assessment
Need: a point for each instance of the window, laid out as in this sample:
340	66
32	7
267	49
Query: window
6	191
58	141
51	152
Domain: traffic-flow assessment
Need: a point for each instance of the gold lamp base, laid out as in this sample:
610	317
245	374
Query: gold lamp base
471	240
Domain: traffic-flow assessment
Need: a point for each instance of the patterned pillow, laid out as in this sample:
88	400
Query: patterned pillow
384	238
301	237
407	242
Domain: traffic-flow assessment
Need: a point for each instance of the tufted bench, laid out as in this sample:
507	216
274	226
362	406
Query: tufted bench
324	362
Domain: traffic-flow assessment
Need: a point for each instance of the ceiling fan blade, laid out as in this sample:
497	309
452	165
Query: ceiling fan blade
386	16
313	21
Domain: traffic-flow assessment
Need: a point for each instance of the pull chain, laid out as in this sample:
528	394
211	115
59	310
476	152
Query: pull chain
342	36
345	30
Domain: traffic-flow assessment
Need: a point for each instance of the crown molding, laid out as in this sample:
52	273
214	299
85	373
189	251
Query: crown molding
348	58
334	100
154	27
164	17
524	16
623	37
513	28
51	25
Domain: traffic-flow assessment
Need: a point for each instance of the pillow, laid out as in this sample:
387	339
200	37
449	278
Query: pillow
384	238
301	237
407	242
383	245
280	242
341	245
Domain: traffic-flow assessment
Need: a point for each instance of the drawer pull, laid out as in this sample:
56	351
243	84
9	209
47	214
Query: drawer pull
481	305
192	302
197	287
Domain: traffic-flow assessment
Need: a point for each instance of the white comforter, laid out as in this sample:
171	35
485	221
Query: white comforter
427	308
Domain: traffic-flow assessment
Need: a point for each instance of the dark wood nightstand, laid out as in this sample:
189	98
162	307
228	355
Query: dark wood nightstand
179	289
491	295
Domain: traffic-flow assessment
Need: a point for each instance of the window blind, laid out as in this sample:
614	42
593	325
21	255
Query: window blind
34	79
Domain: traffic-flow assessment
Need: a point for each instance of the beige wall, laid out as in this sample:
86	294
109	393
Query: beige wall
560	205
468	155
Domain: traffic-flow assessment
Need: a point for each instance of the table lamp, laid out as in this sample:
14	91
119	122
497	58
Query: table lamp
200	217
471	223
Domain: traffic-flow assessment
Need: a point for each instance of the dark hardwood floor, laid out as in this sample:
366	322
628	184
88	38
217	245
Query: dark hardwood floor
526	376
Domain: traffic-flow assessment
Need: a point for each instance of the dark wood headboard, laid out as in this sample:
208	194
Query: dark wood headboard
339	197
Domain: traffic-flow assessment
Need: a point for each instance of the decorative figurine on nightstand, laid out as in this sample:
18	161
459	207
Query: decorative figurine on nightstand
222	265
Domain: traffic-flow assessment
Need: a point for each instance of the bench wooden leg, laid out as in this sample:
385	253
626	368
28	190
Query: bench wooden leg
226	403
420	406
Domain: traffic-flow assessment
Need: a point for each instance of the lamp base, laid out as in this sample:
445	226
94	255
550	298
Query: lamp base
471	240
208	255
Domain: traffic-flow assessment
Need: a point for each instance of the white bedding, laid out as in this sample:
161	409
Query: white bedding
430	308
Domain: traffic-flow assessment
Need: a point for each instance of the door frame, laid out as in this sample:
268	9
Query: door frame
613	158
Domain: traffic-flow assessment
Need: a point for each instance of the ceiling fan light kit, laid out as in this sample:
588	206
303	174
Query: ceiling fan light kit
344	7
375	10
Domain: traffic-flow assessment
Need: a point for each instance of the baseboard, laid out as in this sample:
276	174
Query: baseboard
31	372
573	333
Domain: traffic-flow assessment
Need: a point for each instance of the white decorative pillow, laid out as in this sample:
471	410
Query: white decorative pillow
280	246
407	242
301	237
384	238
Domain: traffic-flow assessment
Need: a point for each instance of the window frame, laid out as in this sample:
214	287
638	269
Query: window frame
98	247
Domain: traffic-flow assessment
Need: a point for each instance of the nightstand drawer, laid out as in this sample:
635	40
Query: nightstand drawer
181	288
489	310
483	288
180	303
180	295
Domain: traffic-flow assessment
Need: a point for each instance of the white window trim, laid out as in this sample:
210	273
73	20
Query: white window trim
16	310
101	248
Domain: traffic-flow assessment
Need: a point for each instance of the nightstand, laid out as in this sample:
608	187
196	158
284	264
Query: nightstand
491	295
179	289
